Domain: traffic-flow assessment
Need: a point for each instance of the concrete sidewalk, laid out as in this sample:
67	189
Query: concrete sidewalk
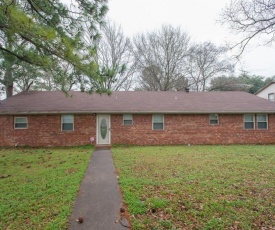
99	199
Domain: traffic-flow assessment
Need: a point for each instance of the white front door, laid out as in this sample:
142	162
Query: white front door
103	129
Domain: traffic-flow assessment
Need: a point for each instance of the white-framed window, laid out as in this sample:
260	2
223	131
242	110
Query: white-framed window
158	122
127	119
20	122
271	97
213	119
249	121
67	122
262	121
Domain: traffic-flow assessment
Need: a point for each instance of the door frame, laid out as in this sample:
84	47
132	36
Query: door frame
108	131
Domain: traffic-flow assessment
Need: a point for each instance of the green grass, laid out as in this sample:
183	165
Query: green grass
38	186
198	187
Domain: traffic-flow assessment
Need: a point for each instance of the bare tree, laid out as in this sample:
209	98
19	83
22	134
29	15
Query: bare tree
205	62
160	57
114	57
151	78
250	18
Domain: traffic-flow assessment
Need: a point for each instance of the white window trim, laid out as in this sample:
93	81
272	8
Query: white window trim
127	119
162	122
262	121
68	123
249	121
20	123
214	120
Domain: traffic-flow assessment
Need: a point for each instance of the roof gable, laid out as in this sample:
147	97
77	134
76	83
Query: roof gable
265	87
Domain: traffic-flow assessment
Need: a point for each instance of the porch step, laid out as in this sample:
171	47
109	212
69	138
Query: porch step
103	147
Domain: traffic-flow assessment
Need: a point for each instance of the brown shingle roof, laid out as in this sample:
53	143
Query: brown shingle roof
135	102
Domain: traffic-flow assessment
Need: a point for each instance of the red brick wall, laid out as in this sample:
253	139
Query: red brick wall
189	129
45	130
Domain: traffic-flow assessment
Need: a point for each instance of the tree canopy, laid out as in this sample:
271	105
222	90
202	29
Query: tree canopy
243	82
47	34
51	45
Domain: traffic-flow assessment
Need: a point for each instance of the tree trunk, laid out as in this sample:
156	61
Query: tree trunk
9	61
8	79
9	90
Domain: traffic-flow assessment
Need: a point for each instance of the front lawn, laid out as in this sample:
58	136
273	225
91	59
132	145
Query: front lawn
198	187
38	186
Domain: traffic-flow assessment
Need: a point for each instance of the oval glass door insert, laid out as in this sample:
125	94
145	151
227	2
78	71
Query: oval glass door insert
103	128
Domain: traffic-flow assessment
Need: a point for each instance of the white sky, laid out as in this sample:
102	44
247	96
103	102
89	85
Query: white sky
196	17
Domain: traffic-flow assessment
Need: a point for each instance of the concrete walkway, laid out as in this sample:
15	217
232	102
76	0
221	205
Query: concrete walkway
99	199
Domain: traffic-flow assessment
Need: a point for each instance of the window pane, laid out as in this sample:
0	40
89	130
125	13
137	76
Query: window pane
213	116
271	96
158	126
67	119
249	125
20	120
127	122
261	117
67	122
248	117
262	125
213	122
127	117
213	119
67	126
20	125
158	118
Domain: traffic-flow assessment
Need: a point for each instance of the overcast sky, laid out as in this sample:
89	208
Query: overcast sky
198	18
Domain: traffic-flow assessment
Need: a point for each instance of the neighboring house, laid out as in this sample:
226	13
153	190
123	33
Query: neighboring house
267	92
2	92
136	118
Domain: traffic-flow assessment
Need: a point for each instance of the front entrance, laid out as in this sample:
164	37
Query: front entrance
103	130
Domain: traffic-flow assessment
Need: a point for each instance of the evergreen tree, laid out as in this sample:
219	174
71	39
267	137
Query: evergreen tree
47	34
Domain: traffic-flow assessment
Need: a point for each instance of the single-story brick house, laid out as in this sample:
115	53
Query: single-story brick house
138	118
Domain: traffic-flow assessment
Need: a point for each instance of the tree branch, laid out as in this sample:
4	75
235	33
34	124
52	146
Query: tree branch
22	58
